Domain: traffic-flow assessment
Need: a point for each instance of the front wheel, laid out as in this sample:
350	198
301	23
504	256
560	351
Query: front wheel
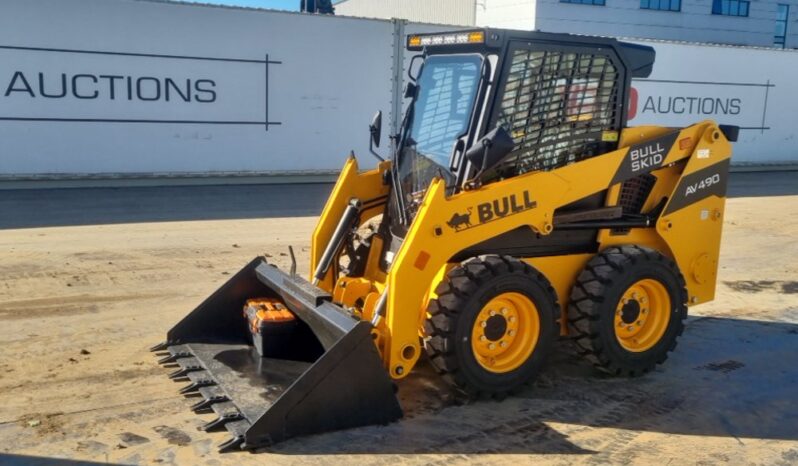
492	325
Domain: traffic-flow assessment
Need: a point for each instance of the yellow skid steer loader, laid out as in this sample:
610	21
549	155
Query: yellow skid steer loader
516	207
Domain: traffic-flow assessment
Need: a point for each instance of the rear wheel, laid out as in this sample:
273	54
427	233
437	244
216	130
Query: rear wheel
492	325
627	310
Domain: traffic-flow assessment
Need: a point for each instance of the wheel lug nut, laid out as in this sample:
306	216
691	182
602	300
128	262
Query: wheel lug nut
630	328
492	313
511	332
643	299
634	294
483	338
492	346
483	324
504	310
502	344
511	319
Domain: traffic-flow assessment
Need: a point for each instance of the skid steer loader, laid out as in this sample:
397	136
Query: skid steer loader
516	207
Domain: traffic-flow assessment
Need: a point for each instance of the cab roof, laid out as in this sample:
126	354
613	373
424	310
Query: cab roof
638	59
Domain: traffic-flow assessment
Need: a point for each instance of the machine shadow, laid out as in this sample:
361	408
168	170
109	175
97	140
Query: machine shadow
721	381
31	208
27	460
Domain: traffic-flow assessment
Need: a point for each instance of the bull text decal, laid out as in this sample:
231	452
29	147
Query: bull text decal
493	210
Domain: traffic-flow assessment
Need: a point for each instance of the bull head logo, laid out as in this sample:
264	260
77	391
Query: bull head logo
460	221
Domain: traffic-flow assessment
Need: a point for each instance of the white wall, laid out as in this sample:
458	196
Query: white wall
457	12
506	14
334	73
750	88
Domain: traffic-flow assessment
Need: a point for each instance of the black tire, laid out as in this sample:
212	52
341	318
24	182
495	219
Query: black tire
596	296
466	289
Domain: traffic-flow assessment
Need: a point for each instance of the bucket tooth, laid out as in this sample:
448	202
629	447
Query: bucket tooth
159	347
175	353
204	406
225	408
195	386
180	373
228	413
218	424
198	380
168	359
212	392
238	430
186	365
233	444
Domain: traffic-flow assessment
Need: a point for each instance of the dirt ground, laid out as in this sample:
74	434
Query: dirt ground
80	305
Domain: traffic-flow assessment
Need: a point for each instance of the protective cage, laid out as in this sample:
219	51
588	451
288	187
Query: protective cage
561	104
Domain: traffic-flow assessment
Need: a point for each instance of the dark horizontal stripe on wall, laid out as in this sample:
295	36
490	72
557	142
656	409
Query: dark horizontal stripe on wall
111	120
142	55
708	83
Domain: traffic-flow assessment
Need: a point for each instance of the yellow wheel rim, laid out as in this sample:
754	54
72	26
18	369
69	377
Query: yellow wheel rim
642	315
505	332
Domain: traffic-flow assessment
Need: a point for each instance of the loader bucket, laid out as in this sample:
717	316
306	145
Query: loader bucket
328	376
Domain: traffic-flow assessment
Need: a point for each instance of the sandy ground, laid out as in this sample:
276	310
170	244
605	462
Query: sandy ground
80	305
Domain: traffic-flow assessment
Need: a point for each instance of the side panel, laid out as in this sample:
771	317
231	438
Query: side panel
689	229
693	218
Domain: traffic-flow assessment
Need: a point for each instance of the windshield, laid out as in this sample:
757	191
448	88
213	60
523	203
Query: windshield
447	88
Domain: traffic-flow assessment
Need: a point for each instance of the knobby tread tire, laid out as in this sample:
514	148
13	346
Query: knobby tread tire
594	298
466	288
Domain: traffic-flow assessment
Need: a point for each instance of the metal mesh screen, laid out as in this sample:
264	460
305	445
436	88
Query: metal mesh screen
556	105
634	193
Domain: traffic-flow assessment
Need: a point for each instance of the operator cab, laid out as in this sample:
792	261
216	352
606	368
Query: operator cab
544	100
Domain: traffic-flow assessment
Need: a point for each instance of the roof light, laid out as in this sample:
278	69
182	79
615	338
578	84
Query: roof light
452	38
476	37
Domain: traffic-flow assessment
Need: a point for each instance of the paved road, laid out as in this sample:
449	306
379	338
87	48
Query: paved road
26	208
29	208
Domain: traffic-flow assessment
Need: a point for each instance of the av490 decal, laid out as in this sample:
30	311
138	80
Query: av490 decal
700	185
